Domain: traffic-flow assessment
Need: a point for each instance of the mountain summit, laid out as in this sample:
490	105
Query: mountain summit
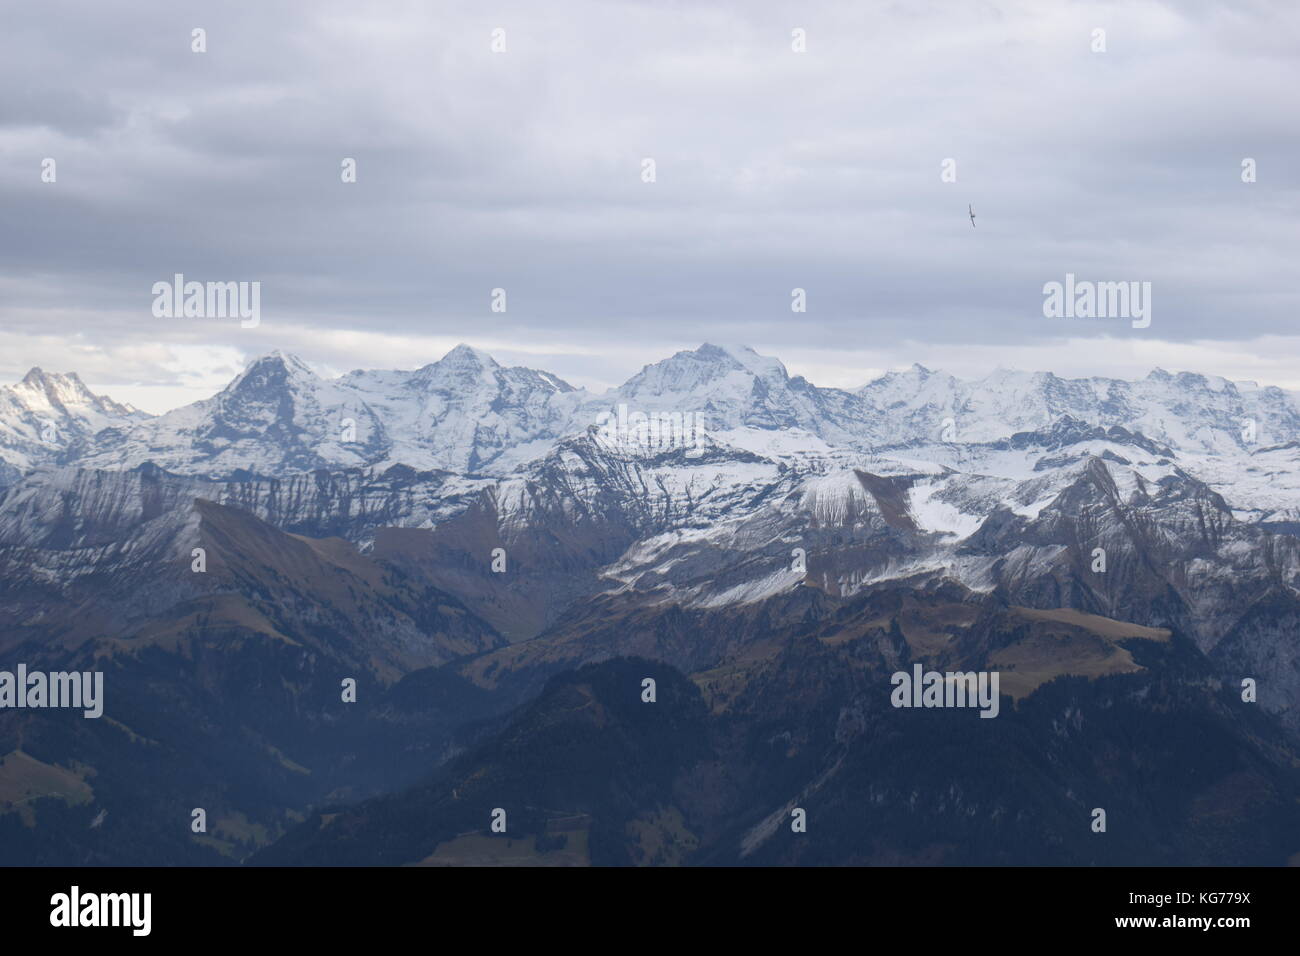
45	416
467	413
458	537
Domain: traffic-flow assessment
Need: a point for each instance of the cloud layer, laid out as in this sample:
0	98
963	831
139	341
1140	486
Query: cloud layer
522	170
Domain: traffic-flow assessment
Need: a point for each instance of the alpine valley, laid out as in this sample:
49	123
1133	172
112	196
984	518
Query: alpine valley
499	573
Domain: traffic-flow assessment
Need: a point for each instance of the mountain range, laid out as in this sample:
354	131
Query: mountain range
468	414
498	571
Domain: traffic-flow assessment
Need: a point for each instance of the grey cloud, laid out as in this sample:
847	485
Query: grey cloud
775	170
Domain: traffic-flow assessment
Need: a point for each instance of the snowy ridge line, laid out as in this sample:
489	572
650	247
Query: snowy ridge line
468	414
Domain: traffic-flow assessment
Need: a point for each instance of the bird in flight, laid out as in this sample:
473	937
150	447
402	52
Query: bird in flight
972	215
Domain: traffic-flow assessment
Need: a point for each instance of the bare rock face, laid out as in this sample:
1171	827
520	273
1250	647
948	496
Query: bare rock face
454	537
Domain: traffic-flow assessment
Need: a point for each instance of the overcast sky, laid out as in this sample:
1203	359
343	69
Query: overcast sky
522	170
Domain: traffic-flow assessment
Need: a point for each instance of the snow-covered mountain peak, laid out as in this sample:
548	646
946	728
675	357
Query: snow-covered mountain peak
466	355
36	378
469	414
46	414
276	362
760	366
55	390
468	368
711	373
269	380
690	372
915	386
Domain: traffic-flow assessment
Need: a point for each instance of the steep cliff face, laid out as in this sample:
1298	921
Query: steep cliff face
454	537
47	417
464	413
1100	520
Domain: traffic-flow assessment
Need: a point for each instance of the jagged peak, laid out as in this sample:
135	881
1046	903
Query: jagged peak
916	372
726	357
273	365
279	357
39	378
464	354
289	358
707	353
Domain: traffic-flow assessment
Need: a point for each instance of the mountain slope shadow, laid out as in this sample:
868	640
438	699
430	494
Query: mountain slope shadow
581	762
